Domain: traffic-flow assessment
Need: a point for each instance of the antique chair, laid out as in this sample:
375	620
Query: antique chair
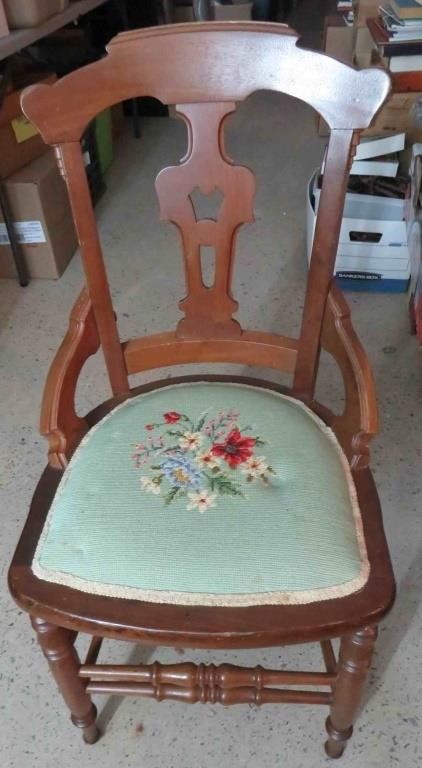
213	512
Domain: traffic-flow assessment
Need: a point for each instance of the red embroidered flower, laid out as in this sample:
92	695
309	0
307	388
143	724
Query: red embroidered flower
149	427
235	450
171	417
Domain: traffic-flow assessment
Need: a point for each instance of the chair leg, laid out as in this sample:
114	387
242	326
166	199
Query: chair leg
57	644
354	660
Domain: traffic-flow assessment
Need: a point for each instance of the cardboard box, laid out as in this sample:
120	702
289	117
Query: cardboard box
236	12
364	47
20	142
364	9
22	14
182	14
396	116
4	27
38	200
373	252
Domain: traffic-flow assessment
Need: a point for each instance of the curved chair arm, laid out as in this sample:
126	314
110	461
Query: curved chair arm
359	421
60	423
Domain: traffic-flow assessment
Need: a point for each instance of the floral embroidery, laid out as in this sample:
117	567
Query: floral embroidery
150	485
190	441
171	417
201	500
198	460
236	449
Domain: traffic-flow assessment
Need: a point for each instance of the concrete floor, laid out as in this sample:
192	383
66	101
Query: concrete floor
145	272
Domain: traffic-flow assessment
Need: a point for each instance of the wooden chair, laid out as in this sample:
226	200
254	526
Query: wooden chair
148	539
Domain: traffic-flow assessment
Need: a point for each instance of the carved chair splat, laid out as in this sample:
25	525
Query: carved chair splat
205	69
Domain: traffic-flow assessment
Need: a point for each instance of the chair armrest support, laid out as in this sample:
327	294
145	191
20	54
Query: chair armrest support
358	423
60	423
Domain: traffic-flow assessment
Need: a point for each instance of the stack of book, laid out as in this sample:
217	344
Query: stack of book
397	34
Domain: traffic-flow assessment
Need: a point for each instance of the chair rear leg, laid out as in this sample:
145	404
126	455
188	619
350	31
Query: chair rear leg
354	660
57	644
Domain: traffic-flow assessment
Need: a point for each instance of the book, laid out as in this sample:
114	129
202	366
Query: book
402	49
405	63
406	9
406	81
384	33
394	22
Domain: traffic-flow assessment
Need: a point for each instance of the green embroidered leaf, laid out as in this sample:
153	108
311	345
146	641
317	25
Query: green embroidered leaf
259	441
171	495
201	421
155	466
224	485
175	432
187	420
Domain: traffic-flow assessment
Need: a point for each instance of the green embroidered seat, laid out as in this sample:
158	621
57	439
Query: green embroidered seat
207	493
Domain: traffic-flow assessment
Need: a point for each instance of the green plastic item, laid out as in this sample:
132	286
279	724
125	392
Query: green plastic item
104	138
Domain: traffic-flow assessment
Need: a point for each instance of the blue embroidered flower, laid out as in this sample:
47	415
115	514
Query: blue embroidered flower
182	472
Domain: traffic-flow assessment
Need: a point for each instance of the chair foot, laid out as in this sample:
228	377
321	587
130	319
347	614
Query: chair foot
90	731
57	644
91	734
336	744
354	659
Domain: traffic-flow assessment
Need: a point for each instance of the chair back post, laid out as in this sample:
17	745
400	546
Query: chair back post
72	168
324	250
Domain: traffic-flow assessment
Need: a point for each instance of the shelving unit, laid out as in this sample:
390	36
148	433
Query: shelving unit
9	44
20	38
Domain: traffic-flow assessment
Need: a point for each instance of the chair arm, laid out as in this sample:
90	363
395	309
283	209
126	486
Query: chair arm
359	421
60	423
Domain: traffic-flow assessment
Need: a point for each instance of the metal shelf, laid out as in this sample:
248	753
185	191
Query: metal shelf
20	38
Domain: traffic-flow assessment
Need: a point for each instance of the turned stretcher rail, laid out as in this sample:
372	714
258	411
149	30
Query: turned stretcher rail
213	695
188	675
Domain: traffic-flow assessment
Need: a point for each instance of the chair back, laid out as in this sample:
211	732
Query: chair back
204	69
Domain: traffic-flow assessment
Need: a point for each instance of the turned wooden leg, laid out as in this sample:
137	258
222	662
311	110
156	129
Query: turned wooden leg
354	660
57	644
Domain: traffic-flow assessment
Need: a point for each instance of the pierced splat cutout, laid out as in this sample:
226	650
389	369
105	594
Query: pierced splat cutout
206	206
207	256
206	169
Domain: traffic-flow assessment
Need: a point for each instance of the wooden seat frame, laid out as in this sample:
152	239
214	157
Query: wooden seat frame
205	69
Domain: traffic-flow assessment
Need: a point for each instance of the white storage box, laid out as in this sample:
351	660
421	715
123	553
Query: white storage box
373	253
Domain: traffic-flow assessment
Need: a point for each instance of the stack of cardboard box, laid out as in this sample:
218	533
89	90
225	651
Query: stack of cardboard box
355	45
375	247
36	194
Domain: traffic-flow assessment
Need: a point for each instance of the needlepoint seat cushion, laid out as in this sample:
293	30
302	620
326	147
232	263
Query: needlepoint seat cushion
211	494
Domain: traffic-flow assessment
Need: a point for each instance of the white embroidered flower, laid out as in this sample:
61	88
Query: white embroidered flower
207	460
190	441
148	485
255	466
201	500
